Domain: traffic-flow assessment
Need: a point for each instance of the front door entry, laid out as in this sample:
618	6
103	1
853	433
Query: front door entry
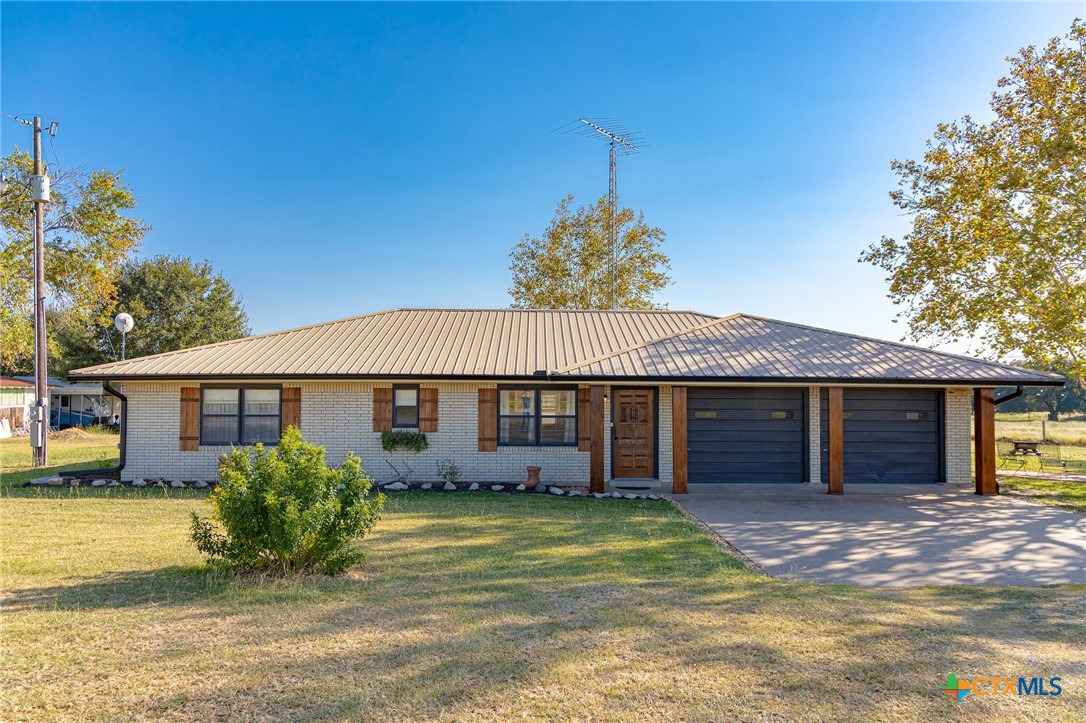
634	415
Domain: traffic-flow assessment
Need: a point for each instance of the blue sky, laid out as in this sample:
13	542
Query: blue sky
337	159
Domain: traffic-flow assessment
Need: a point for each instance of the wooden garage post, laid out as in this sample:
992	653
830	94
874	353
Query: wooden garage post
595	451
836	433
984	441
678	440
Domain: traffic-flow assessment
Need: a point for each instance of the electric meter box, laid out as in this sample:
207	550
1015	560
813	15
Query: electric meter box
39	188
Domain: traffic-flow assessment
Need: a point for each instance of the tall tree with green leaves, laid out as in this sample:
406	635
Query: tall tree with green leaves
87	237
997	250
176	303
569	266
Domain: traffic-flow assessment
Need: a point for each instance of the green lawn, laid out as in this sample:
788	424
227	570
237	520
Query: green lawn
1066	495
492	607
65	455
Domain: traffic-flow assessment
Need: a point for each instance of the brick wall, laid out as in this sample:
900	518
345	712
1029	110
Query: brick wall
958	430
814	435
339	415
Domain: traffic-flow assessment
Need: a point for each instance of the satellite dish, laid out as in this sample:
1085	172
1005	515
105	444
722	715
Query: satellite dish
123	322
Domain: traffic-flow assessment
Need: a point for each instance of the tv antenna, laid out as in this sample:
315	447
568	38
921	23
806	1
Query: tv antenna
614	134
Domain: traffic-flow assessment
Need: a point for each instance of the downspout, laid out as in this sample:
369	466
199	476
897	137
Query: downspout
121	446
1019	391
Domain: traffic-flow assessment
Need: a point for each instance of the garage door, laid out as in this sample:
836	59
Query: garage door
891	435
746	434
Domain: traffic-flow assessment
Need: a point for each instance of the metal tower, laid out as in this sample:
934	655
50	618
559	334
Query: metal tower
611	131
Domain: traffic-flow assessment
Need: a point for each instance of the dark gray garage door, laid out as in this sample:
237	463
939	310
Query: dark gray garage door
891	435
746	434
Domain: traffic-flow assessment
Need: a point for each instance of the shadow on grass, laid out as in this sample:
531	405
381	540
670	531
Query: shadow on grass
466	602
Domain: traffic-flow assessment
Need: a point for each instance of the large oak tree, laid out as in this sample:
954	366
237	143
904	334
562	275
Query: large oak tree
569	266
997	250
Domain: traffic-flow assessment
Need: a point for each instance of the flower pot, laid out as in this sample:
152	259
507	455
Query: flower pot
533	477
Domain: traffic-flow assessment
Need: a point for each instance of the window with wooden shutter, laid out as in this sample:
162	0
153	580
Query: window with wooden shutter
291	408
190	419
428	409
382	409
584	411
488	420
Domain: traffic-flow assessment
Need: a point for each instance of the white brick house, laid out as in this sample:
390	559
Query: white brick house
682	399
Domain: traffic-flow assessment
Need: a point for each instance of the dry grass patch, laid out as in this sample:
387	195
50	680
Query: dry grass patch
491	607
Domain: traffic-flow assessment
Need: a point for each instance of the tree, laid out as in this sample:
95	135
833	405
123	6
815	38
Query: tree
86	240
176	303
570	266
997	250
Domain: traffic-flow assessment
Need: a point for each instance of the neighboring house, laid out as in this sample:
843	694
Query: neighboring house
630	398
16	398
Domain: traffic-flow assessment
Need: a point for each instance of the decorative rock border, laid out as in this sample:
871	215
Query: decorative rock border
431	487
541	489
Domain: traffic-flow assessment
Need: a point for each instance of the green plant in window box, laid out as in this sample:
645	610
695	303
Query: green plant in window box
403	439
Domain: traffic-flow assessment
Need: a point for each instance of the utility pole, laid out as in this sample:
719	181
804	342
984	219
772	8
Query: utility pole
39	437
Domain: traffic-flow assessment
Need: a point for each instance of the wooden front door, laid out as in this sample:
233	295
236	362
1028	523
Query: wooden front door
634	415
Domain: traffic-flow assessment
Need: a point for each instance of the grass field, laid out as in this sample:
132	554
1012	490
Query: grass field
1029	426
492	607
99	449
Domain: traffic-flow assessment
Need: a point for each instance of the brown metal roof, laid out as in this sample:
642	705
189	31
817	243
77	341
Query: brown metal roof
751	348
516	343
416	343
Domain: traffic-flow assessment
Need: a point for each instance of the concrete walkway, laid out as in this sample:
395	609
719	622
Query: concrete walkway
894	535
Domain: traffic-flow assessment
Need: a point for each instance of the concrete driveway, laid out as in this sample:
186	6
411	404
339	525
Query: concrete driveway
895	535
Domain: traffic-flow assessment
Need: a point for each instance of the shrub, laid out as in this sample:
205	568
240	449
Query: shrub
282	509
404	439
449	471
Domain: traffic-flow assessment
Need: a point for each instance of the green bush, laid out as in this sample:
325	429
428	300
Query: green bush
404	439
282	509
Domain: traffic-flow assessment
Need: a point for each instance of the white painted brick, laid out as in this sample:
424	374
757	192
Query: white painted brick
958	423
814	435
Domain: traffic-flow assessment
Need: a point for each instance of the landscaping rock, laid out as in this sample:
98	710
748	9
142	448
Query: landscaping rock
556	491
397	486
38	481
114	483
449	487
138	482
598	495
473	487
616	495
630	496
201	485
55	481
99	483
575	493
497	488
178	484
654	497
425	486
521	488
74	482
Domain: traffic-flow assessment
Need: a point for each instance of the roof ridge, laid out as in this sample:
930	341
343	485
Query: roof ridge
902	345
650	342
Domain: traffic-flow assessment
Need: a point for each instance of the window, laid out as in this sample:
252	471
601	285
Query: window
239	415
537	416
405	406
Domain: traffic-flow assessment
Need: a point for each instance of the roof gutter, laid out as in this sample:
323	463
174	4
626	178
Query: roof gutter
1013	395
121	446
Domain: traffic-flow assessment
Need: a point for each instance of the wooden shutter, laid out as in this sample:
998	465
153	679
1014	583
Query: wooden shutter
428	409
290	408
190	419
382	409
584	413
488	420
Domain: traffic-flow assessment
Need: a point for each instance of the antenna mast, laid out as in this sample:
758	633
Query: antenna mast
611	131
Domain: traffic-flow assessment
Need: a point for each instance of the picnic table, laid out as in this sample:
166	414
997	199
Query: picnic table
1023	448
